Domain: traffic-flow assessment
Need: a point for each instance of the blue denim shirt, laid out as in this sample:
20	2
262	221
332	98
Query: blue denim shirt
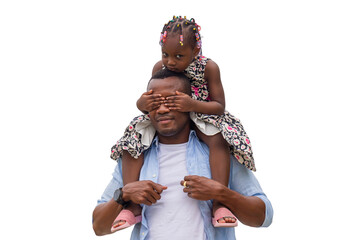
241	180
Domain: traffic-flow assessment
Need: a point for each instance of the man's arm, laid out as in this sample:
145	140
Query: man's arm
103	216
246	198
249	210
139	192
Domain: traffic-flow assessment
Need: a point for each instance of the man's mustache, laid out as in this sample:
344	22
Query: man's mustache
163	117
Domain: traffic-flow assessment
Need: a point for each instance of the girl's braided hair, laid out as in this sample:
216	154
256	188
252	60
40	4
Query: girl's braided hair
177	25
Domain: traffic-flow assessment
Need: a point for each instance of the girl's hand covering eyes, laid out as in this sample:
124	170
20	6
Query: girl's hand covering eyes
180	102
149	101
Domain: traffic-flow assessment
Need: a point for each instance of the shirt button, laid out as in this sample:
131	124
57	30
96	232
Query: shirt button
154	175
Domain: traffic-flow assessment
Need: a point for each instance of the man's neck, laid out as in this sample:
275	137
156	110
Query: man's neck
172	140
181	137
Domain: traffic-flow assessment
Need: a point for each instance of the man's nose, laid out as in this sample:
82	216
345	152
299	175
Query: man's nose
163	109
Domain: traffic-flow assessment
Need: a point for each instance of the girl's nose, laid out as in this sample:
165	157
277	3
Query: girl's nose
171	62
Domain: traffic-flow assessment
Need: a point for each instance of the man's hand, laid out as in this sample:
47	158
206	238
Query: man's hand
201	188
250	210
149	101
146	192
180	102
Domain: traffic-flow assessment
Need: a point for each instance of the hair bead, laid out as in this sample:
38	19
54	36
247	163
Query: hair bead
163	38
179	25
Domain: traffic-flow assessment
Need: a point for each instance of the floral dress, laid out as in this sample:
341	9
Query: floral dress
140	132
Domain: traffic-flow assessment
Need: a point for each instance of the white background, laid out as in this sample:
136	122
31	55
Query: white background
71	72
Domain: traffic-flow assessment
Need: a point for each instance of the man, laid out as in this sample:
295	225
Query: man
175	186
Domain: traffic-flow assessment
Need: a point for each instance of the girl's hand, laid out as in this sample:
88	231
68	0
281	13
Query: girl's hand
180	102
149	101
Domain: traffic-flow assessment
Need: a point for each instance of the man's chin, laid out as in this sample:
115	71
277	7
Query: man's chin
167	132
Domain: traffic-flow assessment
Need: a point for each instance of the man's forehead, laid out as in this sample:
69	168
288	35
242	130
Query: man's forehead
167	85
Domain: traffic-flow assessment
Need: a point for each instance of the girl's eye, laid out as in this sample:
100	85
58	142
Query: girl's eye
179	56
164	54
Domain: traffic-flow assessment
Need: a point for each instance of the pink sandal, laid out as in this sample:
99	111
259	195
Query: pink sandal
222	213
128	217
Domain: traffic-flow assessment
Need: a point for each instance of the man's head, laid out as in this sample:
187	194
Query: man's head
172	126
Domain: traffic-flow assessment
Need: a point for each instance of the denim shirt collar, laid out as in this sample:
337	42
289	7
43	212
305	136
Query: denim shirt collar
155	143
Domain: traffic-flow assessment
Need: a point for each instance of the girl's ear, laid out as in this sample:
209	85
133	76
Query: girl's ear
196	51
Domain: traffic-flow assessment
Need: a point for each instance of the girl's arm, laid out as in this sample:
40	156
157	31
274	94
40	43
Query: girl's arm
215	88
184	103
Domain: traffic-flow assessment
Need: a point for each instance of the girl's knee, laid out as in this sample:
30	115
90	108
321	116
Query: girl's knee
132	160
216	140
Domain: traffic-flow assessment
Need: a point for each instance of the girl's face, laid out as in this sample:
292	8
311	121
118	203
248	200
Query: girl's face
176	57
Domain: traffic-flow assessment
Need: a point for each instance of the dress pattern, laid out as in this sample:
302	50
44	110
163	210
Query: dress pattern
229	126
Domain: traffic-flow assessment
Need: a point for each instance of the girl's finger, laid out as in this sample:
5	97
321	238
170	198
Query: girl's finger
156	104
155	96
149	92
171	98
170	104
160	100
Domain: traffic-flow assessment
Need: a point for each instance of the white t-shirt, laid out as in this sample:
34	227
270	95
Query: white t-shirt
175	215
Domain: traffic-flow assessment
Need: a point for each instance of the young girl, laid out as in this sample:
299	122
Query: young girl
180	42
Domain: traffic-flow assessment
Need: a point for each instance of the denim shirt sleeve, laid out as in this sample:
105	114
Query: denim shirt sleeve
243	181
116	182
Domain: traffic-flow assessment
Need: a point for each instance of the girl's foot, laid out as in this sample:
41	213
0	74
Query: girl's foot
134	208
223	215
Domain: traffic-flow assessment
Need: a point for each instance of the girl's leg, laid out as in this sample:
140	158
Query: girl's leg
219	163
131	168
